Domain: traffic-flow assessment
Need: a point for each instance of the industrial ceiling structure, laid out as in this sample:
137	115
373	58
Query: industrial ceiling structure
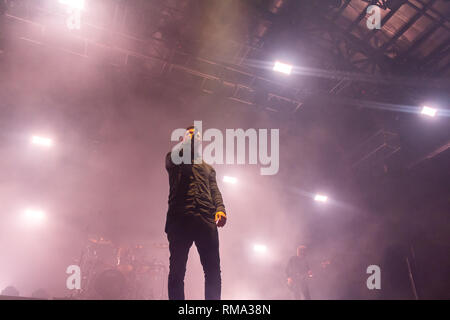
228	49
224	51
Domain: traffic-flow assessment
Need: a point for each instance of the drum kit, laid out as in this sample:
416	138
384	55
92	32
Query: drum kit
125	272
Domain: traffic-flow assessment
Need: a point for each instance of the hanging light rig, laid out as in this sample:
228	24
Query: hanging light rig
74	7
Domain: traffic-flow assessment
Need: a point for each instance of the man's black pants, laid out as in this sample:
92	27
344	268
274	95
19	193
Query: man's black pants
206	240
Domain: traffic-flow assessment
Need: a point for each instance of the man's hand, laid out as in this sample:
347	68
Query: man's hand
220	218
290	282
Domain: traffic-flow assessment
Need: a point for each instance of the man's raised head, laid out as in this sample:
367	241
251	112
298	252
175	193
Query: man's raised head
301	250
192	131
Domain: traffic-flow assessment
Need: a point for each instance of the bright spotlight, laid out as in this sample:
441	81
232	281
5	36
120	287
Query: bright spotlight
431	112
75	4
282	67
46	142
33	216
260	248
229	179
320	198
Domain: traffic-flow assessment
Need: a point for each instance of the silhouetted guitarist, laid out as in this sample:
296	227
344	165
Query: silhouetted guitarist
298	273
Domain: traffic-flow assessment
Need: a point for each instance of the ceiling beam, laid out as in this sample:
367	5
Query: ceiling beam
439	50
421	39
407	25
358	19
384	20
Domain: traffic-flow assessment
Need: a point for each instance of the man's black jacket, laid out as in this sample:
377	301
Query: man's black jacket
193	192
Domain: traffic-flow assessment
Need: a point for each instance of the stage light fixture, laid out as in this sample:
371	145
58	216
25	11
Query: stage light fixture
33	216
260	248
229	179
282	67
320	198
75	4
431	112
42	141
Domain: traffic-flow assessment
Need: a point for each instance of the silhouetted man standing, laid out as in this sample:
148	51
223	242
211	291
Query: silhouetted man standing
195	211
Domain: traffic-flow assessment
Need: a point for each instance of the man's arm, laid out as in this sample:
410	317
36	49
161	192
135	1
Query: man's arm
310	273
215	192
289	272
220	216
169	163
289	268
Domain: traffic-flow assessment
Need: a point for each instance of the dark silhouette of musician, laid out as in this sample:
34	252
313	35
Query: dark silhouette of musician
195	211
298	273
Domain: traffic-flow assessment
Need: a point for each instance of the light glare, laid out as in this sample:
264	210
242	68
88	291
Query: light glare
260	248
42	141
428	111
282	67
321	198
33	216
229	179
75	4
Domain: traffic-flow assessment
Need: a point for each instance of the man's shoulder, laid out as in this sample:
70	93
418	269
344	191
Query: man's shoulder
169	161
169	154
208	166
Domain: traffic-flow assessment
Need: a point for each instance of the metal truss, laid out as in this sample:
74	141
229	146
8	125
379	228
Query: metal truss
372	56
375	150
